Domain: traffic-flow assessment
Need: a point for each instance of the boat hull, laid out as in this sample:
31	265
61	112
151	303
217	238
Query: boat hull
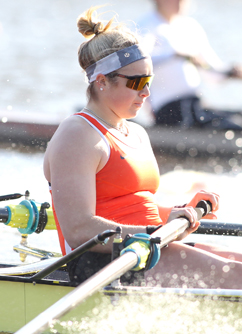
23	301
116	315
32	129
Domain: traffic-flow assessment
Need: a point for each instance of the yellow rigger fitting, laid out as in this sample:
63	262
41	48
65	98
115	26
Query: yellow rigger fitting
25	217
19	216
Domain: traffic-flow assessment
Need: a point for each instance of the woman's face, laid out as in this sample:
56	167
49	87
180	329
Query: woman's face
172	7
126	102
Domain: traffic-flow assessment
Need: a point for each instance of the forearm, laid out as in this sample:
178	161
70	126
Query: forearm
164	213
89	227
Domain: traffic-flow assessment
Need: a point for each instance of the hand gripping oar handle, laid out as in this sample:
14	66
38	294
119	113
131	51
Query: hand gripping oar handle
203	208
172	230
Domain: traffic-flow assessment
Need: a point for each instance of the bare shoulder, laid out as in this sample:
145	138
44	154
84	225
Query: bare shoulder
74	143
73	132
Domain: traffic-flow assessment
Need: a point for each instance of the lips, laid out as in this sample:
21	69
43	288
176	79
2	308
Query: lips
139	104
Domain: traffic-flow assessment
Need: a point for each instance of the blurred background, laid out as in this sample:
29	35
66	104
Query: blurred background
39	72
39	42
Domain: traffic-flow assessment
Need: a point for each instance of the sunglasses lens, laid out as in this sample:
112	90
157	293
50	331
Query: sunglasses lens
139	83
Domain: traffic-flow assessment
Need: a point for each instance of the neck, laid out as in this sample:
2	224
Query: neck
170	9
166	14
106	115
122	126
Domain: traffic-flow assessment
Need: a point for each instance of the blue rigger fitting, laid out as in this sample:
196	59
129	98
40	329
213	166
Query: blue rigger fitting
33	217
142	242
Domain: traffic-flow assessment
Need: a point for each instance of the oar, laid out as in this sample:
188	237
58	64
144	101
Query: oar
112	271
231	72
218	228
13	196
101	238
19	218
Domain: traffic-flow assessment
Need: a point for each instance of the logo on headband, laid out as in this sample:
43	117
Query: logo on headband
126	54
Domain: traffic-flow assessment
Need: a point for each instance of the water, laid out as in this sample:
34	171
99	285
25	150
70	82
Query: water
158	314
40	73
20	172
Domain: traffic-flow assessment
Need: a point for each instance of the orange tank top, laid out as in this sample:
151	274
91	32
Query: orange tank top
126	185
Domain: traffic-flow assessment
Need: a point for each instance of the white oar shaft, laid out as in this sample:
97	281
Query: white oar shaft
171	231
105	276
115	269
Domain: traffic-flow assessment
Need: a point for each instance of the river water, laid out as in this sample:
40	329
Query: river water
40	73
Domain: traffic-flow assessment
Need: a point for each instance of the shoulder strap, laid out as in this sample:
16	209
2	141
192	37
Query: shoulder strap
93	121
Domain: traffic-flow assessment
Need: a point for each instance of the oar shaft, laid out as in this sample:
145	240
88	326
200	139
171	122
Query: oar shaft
170	231
98	239
64	260
115	269
11	196
217	228
105	276
102	278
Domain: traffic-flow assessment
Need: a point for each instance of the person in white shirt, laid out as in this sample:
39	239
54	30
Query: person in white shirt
179	49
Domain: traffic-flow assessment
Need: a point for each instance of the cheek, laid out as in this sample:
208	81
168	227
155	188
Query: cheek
123	96
127	95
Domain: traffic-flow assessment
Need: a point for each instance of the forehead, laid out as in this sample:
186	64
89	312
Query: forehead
142	66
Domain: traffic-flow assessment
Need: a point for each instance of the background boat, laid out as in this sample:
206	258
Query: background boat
32	129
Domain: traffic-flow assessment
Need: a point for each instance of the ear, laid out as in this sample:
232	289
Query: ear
101	81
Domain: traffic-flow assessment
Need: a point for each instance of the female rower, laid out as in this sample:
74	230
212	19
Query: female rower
103	173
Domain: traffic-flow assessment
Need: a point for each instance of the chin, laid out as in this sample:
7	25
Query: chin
134	113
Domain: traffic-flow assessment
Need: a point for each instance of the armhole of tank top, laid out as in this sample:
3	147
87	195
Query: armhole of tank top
67	247
100	133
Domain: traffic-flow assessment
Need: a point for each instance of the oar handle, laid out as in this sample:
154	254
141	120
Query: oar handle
169	232
203	208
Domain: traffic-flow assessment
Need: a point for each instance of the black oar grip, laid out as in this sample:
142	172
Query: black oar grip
205	207
4	214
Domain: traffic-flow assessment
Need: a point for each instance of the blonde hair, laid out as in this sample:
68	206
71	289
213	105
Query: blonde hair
102	39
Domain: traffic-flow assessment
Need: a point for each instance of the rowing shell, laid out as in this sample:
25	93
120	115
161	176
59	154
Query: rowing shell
32	129
25	300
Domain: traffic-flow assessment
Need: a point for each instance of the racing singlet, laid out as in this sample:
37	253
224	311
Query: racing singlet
126	185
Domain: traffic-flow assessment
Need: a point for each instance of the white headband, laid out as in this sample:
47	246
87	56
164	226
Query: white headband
114	61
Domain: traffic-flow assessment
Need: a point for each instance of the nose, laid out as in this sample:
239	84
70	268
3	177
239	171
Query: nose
145	91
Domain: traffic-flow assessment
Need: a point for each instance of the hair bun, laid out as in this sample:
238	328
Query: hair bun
87	27
103	39
98	28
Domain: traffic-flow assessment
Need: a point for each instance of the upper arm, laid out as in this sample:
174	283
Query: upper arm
73	159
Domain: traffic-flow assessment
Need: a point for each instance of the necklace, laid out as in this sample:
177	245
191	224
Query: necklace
123	129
